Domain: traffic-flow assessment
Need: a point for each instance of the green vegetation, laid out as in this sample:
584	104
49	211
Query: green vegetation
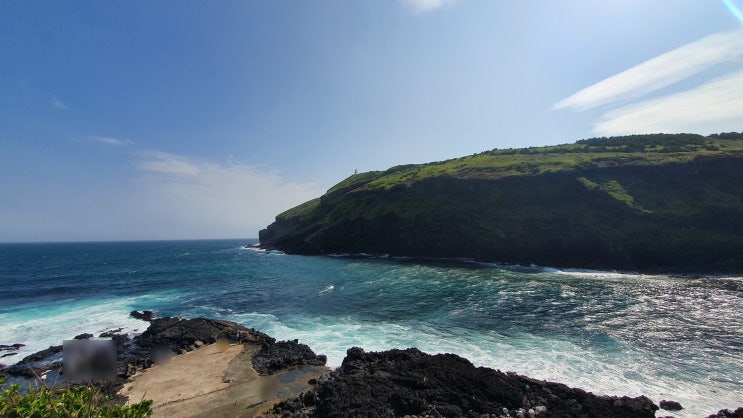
615	190
642	202
301	210
594	152
85	401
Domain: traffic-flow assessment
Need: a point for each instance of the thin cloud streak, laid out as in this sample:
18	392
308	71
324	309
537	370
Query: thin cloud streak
718	103
166	163
423	6
107	140
659	72
58	104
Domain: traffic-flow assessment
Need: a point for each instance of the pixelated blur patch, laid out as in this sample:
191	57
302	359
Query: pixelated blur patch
86	360
161	354
223	344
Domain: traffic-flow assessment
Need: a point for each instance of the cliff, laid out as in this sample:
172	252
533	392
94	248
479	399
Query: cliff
670	203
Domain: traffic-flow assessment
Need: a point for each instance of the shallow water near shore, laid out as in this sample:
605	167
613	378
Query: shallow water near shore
665	337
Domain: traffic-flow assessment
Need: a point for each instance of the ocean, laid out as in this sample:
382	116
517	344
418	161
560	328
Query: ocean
665	337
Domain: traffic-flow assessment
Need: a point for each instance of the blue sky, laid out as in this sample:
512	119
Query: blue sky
184	119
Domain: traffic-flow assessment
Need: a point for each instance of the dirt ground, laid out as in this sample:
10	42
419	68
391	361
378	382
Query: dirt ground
210	382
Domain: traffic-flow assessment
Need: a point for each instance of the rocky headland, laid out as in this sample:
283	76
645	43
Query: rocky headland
649	203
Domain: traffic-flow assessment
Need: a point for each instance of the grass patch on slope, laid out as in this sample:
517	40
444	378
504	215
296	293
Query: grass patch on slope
653	149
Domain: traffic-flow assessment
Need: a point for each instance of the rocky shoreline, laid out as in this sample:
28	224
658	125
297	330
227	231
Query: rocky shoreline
171	336
390	383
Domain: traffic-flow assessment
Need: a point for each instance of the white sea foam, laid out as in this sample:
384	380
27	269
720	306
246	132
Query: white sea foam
327	289
624	372
46	326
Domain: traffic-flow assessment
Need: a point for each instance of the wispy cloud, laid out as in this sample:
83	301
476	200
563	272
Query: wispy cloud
109	140
58	104
717	104
166	163
659	72
207	198
423	6
168	196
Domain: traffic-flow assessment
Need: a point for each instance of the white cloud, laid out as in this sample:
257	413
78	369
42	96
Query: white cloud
58	104
716	105
659	72
165	163
422	6
169	196
189	198
109	140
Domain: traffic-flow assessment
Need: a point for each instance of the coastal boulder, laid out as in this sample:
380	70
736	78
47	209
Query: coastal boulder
143	315
670	405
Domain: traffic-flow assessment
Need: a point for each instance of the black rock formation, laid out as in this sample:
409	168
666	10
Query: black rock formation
670	405
179	333
285	354
143	315
726	413
410	382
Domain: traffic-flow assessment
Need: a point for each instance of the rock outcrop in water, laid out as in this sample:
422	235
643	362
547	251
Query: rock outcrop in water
410	382
726	413
651	203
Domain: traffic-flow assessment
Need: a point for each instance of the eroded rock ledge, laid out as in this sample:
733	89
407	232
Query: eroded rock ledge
410	382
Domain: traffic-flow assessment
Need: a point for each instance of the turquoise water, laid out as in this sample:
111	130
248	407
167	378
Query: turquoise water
665	337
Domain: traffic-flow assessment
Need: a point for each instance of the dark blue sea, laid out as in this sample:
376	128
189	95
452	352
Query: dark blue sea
677	338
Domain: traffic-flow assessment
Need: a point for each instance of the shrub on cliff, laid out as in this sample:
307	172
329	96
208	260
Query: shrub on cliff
81	401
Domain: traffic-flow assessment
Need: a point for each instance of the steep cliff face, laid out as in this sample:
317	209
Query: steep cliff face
677	215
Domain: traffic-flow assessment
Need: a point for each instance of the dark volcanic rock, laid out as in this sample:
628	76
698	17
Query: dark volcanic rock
410	382
11	351
285	354
726	413
178	333
110	333
12	347
670	405
41	355
84	336
143	315
37	363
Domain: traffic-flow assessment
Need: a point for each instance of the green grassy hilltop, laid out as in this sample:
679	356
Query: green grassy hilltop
662	202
